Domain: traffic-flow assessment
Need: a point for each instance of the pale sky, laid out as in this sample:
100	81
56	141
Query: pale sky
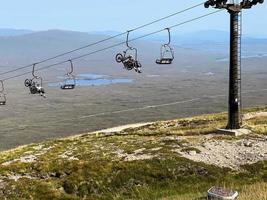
119	15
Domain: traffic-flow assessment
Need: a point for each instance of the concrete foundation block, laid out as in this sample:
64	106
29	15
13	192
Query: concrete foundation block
234	132
218	193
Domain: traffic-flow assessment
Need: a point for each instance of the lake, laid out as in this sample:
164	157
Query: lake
93	80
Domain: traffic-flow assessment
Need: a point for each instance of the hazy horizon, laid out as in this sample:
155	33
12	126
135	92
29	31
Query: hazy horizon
116	16
9	31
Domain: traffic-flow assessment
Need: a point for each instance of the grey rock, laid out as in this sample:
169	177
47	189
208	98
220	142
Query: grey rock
192	153
248	144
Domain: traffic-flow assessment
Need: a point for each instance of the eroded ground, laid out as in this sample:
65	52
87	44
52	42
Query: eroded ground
174	158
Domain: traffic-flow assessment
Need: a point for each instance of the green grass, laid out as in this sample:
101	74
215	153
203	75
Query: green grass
99	168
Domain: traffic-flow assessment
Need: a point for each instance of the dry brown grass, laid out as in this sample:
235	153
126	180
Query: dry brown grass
257	191
101	172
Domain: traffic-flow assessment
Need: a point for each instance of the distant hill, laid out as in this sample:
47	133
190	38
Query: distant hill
108	33
14	32
29	47
191	37
24	46
208	36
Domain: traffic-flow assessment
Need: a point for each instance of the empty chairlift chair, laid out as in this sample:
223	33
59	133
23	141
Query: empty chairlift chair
35	84
69	82
129	58
166	52
2	94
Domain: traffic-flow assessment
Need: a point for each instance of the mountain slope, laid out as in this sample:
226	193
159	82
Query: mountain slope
26	46
9	32
146	162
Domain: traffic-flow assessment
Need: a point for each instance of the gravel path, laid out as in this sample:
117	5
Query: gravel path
121	128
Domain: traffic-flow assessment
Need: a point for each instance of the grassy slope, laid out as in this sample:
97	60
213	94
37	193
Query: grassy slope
107	167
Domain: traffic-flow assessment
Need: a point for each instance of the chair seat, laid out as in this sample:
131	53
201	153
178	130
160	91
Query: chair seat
68	86
164	61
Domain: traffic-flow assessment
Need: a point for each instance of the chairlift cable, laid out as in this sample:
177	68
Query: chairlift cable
63	54
112	46
101	41
169	16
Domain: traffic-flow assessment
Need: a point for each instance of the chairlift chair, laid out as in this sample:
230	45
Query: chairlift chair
35	84
166	52
2	99
70	80
2	94
129	60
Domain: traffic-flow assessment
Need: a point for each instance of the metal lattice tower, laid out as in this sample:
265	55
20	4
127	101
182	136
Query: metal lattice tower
234	7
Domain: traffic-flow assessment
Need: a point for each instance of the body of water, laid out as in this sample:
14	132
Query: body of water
259	55
93	80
